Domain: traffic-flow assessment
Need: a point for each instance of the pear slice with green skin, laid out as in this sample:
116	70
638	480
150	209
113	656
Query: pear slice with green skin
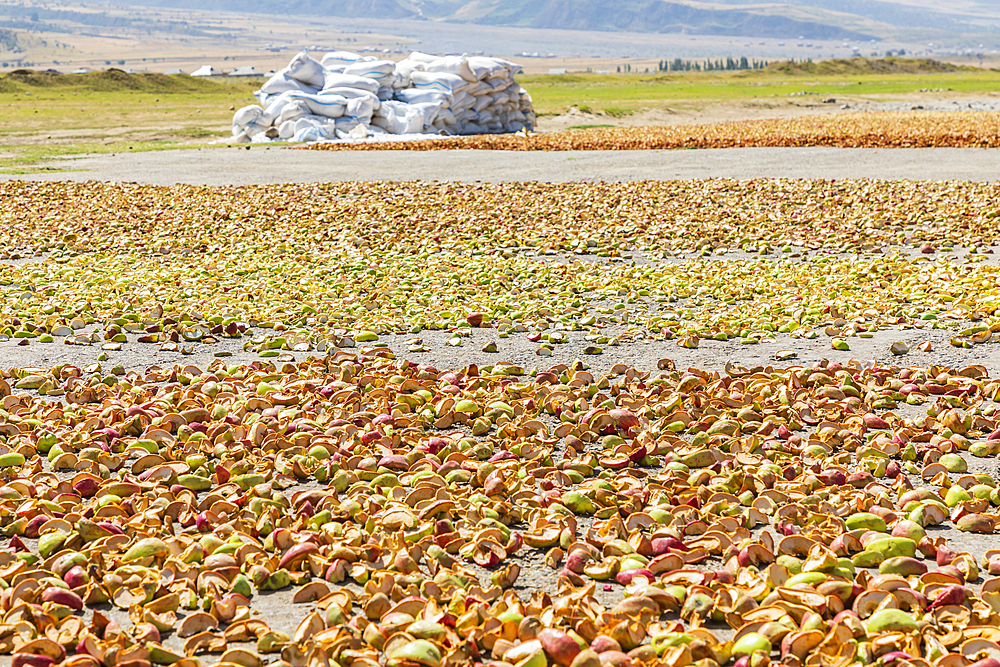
702	458
810	578
149	547
159	655
278	580
272	642
929	513
578	503
867	521
11	460
986	449
536	659
954	463
246	482
30	382
903	566
195	482
976	523
602	570
981	491
90	531
893	546
466	406
50	542
909	529
956	495
790	563
750	643
820	561
890	620
242	586
867	559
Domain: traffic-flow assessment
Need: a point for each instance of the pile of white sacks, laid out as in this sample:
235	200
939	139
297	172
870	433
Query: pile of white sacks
346	96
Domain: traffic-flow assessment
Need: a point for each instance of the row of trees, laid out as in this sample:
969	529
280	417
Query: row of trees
680	65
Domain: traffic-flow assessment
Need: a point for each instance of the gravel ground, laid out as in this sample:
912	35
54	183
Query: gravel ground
272	164
927	105
642	354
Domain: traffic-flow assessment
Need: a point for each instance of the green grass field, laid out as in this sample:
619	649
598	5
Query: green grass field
614	93
49	115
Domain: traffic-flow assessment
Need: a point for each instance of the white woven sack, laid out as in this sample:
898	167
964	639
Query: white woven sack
452	65
342	80
282	82
440	81
338	60
247	115
375	69
419	57
306	70
416	96
485	68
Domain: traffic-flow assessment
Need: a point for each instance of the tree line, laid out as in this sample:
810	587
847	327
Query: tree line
681	65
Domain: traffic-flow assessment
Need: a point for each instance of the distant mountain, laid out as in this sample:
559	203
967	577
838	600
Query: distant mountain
898	13
650	16
806	19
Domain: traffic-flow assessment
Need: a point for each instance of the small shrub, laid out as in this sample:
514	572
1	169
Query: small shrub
617	112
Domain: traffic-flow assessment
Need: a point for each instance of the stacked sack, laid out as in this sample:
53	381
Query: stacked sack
347	96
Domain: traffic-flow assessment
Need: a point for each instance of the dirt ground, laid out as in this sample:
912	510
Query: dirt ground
684	114
769	108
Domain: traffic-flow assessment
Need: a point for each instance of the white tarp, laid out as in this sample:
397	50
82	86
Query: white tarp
346	96
206	70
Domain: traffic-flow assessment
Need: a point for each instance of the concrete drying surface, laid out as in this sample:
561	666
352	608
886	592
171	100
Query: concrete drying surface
273	164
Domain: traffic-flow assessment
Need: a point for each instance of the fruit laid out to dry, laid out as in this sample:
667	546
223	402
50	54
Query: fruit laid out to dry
308	267
844	130
357	509
791	514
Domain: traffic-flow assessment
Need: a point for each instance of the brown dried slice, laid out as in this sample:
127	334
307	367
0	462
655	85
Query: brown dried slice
248	630
205	642
310	592
196	623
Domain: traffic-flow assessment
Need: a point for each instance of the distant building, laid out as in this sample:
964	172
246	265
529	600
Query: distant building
174	71
82	70
245	71
206	70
